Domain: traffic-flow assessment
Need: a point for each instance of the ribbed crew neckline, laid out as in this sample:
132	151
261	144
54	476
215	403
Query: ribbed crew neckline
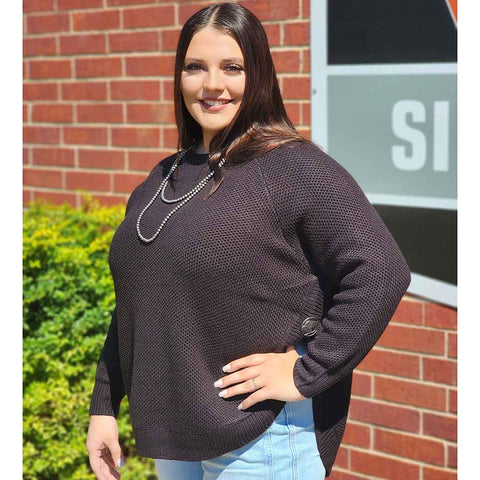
196	158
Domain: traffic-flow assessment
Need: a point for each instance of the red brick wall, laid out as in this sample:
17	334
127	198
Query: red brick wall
98	89
402	417
98	115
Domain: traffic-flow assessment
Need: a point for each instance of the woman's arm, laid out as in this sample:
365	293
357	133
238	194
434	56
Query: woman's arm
109	390
345	239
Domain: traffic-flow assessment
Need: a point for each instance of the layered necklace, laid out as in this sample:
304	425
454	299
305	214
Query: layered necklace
183	199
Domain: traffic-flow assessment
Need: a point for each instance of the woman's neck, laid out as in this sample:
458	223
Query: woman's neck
201	149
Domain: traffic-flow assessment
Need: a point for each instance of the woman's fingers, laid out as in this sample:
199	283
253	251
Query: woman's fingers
102	466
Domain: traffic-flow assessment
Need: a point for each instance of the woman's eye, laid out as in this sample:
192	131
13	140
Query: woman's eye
234	68
192	66
197	66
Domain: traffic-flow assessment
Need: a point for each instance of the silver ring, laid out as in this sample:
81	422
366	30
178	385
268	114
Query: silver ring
254	384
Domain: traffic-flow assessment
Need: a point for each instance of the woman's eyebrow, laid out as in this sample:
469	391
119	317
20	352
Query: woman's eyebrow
234	59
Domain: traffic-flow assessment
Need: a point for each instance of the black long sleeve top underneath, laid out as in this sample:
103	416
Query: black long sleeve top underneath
287	236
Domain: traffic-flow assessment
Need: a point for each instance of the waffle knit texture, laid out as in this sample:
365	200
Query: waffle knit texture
287	235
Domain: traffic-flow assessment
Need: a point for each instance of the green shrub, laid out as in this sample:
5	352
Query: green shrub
68	301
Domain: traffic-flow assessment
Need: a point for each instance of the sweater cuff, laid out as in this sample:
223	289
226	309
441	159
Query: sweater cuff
102	401
308	375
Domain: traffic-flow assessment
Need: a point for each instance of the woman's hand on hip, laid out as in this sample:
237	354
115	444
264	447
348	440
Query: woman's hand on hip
273	374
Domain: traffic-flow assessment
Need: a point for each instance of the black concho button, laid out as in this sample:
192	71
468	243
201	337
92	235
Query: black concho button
309	326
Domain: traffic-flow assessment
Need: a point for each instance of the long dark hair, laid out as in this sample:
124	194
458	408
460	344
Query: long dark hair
261	122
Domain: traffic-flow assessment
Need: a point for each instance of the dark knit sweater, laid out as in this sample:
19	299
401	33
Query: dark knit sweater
286	236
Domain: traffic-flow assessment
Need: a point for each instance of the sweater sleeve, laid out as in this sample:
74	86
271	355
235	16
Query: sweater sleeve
342	234
109	390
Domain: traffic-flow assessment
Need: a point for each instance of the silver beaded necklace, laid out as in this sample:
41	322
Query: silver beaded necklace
184	198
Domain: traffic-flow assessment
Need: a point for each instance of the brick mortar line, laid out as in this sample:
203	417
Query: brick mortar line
413	354
446	340
106	193
408	460
160	28
139	53
289	48
389	403
424	327
61	135
107	43
107	125
57	44
160	41
395	350
176	14
53	80
291	21
52	103
448	443
122	124
359	474
86	147
125	107
76	192
419	381
99	79
120	8
122	29
123	65
96	147
60	168
76	158
121	20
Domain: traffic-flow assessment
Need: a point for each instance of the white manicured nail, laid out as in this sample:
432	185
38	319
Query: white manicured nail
218	383
222	393
226	368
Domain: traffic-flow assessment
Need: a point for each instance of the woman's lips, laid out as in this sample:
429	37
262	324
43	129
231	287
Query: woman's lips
214	108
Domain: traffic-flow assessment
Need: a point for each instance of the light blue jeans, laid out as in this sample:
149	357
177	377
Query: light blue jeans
287	450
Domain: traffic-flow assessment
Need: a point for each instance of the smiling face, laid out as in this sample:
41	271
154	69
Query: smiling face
213	80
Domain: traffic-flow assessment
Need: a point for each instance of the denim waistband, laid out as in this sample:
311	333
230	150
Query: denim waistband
300	347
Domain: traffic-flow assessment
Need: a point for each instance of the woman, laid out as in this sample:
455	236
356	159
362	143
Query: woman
283	274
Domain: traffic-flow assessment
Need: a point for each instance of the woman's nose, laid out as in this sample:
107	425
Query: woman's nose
213	81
